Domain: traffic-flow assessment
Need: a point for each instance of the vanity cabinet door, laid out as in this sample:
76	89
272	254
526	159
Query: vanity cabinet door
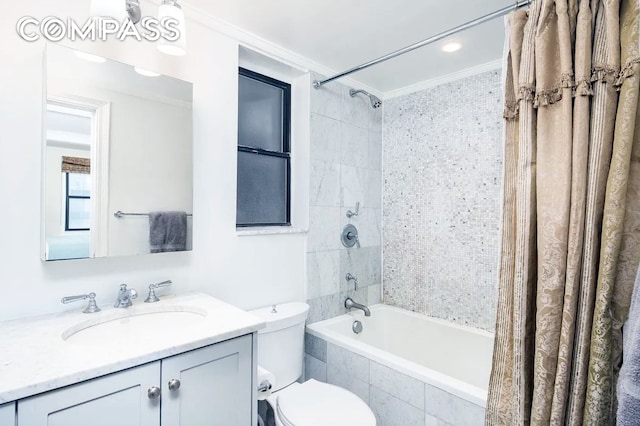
215	385
8	414
117	399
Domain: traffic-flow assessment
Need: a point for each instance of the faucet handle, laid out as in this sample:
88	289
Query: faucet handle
152	298
91	308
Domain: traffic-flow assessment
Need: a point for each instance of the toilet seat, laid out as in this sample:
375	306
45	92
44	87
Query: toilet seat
313	403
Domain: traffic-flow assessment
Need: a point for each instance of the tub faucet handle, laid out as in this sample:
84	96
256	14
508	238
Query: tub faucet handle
350	277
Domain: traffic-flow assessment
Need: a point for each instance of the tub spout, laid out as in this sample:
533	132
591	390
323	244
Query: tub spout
349	304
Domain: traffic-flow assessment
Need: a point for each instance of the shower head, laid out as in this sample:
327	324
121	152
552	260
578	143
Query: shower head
375	101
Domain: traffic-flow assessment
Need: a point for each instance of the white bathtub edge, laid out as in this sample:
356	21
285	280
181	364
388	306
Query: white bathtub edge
449	384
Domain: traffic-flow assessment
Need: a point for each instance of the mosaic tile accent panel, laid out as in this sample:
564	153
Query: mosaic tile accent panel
442	173
346	164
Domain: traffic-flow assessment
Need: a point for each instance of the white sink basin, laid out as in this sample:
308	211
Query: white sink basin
125	326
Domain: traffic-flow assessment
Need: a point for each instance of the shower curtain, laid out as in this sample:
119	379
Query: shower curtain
571	211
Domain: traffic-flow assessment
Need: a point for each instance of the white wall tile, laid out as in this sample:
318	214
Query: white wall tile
401	386
356	365
354	146
315	369
339	377
354	186
324	229
325	138
325	184
391	411
327	100
323	268
355	109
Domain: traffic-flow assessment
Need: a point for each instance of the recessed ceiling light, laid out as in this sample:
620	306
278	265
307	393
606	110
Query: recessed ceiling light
89	57
451	46
146	73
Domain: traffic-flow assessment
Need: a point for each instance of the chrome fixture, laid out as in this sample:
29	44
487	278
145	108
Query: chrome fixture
170	9
152	298
350	214
125	296
133	10
174	385
350	277
349	236
375	101
91	308
273	309
154	392
264	386
350	304
356	327
120	214
498	13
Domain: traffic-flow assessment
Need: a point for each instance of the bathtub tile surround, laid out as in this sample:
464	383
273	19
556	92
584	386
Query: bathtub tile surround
346	153
441	204
395	398
390	410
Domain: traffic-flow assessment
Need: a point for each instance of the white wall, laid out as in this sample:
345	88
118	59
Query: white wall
246	271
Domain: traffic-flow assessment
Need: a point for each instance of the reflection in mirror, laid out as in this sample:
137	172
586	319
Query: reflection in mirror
117	141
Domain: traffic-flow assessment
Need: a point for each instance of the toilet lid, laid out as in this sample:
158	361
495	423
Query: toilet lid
319	404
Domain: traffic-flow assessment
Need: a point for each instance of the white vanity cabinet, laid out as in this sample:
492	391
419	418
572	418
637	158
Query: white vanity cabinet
8	414
207	386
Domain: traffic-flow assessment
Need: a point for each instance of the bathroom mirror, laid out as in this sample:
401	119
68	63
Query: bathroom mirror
117	159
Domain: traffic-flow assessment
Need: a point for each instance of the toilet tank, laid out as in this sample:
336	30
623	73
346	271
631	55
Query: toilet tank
281	342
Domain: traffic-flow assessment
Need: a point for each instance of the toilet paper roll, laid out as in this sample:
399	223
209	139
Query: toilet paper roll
266	382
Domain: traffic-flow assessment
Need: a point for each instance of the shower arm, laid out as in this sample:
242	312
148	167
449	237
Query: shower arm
498	13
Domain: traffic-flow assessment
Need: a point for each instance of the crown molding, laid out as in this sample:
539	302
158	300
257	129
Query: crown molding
433	82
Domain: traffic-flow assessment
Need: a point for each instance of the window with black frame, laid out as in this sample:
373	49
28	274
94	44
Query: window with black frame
264	151
78	202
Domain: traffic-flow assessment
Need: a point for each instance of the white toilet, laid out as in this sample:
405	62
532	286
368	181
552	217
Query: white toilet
312	403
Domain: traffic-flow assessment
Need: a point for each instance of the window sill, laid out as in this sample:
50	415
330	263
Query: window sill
269	230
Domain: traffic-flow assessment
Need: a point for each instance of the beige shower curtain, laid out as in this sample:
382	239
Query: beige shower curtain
571	211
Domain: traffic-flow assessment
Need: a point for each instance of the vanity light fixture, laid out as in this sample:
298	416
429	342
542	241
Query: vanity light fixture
89	57
117	9
171	9
452	46
145	72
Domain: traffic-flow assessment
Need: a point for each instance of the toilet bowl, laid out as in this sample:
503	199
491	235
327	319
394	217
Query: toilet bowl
312	403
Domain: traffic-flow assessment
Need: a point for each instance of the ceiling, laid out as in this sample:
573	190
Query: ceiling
341	34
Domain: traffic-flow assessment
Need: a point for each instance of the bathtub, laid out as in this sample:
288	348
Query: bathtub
453	362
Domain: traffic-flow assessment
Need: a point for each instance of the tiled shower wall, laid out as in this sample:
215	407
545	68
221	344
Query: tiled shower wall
442	191
346	152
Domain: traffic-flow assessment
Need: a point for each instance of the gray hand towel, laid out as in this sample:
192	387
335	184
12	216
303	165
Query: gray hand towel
167	231
629	381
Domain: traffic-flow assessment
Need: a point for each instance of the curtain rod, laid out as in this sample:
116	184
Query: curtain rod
498	13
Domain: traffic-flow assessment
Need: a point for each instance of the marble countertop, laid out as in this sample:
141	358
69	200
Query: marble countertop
35	358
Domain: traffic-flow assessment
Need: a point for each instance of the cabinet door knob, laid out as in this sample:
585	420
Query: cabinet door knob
153	392
174	384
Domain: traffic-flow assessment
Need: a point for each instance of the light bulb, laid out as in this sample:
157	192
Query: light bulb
171	9
89	57
452	46
145	72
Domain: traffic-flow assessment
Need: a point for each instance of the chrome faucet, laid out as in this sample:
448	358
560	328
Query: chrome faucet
125	296
351	277
349	304
152	298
